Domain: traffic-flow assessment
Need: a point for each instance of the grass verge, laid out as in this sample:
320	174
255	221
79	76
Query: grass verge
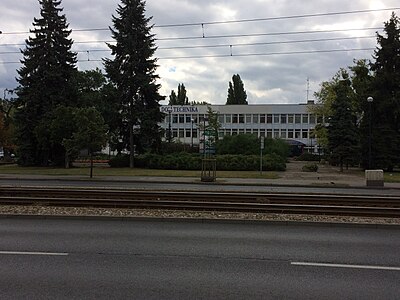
106	171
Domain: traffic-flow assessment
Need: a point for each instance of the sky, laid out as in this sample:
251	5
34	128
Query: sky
283	50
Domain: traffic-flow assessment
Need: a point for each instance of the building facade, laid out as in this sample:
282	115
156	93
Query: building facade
292	122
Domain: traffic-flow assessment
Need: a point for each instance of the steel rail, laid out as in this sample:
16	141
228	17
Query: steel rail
388	206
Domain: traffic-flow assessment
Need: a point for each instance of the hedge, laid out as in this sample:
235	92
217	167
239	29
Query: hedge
186	161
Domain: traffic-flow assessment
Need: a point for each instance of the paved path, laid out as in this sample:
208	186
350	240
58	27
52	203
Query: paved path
327	176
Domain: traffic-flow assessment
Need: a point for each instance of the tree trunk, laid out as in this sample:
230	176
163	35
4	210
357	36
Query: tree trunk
66	161
131	147
91	165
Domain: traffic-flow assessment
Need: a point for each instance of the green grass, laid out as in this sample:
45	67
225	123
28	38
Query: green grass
391	177
105	171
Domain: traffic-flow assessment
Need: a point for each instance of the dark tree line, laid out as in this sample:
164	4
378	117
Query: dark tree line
357	130
60	110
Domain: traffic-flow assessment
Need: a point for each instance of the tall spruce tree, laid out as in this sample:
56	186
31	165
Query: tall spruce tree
385	116
236	91
132	71
343	138
44	83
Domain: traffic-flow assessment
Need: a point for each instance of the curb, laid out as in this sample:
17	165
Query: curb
197	181
203	221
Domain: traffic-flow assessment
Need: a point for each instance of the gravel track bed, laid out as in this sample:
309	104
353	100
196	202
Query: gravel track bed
37	210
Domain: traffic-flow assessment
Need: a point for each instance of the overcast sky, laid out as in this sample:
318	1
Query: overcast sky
274	56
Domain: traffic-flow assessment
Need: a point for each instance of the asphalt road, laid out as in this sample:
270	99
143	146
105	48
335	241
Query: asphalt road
111	259
176	186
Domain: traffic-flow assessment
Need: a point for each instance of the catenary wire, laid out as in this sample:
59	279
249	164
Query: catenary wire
228	45
233	55
238	21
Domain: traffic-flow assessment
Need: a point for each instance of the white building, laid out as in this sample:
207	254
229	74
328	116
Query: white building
286	121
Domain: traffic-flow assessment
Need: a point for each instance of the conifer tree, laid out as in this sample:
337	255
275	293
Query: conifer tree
44	83
132	71
236	91
385	116
343	138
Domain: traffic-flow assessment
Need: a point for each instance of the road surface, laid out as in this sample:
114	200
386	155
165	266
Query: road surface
136	259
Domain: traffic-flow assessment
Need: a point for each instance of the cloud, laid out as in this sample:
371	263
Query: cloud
269	75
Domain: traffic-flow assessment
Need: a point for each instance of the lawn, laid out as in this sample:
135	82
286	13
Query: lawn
106	171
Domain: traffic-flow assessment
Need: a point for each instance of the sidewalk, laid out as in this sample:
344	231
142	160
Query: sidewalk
327	176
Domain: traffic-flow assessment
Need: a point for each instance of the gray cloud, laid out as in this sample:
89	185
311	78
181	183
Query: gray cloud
278	78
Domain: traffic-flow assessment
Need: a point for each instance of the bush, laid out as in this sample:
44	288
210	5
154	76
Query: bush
310	167
119	161
306	156
187	161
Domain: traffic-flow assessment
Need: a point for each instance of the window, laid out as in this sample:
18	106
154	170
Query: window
276	119
297	133
241	118
283	134
188	133
221	119
290	134
305	119
248	119
188	118
174	118
304	134
247	131
255	118
262	132
283	119
174	133
276	134
262	118
181	119
269	133
290	119
194	133
297	118
241	131
312	119
234	119
269	118
228	118
181	133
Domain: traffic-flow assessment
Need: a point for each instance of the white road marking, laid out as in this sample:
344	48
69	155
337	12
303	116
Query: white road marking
33	253
345	266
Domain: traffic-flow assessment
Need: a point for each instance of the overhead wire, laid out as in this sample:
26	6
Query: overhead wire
238	21
230	45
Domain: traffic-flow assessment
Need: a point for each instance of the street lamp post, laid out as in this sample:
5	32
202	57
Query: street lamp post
369	100
169	125
191	132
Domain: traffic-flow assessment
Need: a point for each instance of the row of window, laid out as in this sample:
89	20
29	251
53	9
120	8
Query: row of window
247	119
269	133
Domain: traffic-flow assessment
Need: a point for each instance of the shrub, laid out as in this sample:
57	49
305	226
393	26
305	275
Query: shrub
119	161
306	156
310	167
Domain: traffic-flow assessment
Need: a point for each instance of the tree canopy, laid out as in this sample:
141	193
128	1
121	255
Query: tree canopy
236	91
45	82
133	72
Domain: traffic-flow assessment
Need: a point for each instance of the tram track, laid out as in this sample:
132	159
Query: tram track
283	203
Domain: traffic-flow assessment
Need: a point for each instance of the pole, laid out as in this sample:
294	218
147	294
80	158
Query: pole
369	136
261	153
191	133
204	137
370	100
169	126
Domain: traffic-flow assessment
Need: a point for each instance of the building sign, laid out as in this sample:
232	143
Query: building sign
179	109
